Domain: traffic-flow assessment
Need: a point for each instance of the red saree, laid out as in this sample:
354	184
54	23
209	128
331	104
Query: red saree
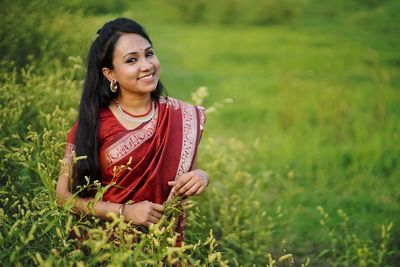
161	150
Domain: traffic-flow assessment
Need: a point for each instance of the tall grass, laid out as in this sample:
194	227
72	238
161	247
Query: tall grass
303	163
243	229
33	225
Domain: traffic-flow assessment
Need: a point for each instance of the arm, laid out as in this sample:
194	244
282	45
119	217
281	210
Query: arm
143	213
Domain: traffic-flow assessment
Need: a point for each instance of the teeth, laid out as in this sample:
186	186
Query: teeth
146	77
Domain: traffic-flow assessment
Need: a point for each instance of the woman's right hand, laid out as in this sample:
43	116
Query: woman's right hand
143	213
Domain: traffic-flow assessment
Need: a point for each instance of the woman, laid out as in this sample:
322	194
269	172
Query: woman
123	120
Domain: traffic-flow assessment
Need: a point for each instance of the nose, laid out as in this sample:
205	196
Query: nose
145	65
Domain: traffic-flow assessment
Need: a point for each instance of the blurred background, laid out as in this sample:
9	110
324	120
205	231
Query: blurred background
306	155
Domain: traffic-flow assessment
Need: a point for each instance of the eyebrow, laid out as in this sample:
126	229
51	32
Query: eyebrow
134	53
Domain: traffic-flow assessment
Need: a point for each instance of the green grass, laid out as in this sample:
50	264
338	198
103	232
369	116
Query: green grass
323	102
314	122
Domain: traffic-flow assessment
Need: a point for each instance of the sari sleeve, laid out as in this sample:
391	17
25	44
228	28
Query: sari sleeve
70	146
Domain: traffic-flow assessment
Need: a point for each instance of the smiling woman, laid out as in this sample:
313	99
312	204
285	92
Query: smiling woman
135	65
124	120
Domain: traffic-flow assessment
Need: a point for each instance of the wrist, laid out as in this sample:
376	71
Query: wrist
121	210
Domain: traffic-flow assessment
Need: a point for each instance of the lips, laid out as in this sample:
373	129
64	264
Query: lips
147	77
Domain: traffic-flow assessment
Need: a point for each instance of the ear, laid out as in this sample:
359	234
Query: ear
109	74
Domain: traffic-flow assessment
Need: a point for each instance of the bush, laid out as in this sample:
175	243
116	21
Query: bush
241	12
25	37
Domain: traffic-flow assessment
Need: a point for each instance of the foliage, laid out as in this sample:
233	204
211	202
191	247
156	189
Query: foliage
224	11
92	7
39	231
23	38
314	124
32	223
348	249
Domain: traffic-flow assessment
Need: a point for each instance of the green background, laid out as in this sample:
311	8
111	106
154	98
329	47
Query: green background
314	119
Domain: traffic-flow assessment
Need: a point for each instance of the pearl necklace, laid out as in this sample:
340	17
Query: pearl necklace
129	118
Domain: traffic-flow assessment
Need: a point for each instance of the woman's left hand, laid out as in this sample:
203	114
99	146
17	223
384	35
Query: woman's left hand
190	184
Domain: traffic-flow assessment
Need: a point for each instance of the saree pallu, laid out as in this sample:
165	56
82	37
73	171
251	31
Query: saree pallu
158	151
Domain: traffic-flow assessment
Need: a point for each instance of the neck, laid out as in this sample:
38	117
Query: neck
135	104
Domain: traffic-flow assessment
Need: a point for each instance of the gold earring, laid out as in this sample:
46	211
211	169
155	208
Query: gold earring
113	86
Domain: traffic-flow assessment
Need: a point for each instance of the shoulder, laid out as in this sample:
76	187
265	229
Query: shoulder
175	103
169	102
105	119
105	113
187	110
109	126
71	133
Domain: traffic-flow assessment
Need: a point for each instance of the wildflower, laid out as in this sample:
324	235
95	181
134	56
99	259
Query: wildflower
39	258
214	256
285	257
30	234
58	232
199	95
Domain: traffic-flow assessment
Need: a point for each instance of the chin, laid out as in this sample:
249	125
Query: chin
149	90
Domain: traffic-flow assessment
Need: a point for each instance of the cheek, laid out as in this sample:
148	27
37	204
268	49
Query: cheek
156	63
126	72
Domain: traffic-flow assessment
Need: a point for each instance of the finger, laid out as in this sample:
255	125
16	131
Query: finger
192	190
200	190
158	207
186	187
172	183
148	223
183	180
153	219
156	214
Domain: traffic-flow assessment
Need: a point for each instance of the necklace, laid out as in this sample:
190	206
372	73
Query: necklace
136	119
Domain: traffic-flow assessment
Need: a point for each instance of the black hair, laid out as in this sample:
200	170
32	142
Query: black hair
96	94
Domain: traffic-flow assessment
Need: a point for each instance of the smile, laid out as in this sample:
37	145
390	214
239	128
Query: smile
147	77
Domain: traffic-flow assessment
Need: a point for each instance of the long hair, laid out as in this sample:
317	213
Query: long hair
96	94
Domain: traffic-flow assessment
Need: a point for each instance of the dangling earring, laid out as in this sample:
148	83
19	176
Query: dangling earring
113	86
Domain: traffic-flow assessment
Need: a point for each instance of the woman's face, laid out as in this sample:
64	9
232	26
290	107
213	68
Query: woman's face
135	65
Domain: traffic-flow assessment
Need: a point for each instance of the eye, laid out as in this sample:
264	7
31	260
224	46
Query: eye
131	60
150	54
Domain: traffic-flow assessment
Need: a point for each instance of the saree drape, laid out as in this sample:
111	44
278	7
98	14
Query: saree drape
158	151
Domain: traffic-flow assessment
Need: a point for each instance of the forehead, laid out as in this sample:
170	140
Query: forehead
130	42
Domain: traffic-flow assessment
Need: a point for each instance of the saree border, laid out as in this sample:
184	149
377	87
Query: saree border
189	138
129	142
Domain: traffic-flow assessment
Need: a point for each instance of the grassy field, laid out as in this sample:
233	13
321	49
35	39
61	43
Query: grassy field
321	101
304	161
